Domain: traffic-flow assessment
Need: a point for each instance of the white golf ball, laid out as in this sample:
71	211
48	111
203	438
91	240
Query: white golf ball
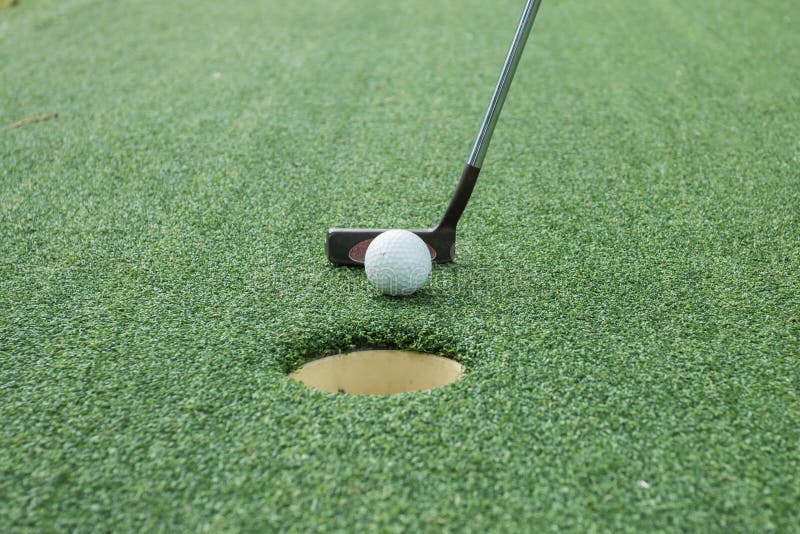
397	262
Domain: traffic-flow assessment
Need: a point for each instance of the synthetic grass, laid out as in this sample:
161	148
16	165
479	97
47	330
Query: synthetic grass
624	298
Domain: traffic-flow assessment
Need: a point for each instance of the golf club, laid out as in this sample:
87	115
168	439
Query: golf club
347	246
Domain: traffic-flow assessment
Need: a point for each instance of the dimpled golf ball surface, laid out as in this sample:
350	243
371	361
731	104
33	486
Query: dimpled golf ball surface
397	262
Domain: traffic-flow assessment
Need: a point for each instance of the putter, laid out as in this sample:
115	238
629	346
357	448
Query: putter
348	246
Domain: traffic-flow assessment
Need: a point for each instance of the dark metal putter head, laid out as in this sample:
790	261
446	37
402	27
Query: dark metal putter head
347	246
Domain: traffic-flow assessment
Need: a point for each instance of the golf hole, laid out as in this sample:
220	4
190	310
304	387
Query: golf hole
378	372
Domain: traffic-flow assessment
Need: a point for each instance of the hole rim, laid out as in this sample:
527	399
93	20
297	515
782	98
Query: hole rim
461	367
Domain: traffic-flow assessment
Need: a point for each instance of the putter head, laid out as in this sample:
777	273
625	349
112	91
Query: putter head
348	246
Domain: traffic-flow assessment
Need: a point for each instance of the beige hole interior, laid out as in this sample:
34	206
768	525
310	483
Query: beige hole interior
378	372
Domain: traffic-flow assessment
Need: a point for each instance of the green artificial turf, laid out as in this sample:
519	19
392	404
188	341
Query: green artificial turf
625	297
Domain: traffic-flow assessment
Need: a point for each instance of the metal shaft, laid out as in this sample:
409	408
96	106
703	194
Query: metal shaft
503	83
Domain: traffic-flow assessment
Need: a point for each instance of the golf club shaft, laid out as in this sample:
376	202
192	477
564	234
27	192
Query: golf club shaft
503	83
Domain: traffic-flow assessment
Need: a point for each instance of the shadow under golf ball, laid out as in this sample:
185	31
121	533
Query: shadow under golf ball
378	372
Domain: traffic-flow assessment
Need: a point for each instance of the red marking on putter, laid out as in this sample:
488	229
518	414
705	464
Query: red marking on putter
433	252
359	250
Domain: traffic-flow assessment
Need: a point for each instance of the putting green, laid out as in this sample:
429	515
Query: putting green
624	299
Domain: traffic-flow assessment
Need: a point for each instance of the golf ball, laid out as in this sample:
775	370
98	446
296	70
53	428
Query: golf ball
397	262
